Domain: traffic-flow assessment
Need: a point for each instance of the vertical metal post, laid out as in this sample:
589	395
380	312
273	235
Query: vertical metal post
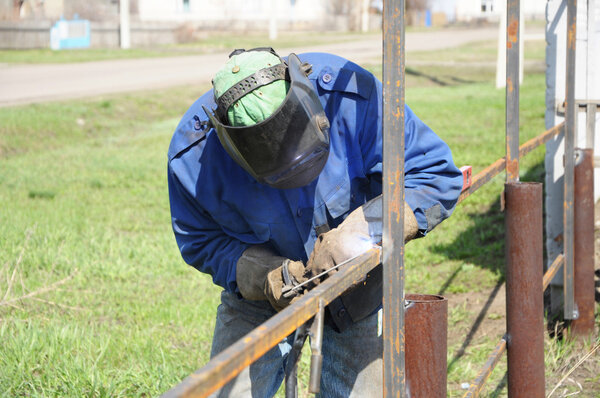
584	243
512	90
426	345
570	115
393	199
524	294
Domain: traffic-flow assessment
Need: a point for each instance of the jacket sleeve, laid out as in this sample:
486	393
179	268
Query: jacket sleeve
201	241
431	180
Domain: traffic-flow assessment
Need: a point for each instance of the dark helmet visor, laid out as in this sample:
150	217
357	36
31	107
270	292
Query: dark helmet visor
288	149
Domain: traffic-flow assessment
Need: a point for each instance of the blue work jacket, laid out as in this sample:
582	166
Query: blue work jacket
218	210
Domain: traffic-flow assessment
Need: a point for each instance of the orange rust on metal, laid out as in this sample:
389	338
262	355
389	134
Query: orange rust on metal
509	85
486	371
571	35
229	363
552	270
512	32
512	170
496	168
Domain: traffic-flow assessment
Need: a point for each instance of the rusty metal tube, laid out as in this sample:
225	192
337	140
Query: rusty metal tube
393	198
426	345
524	292
513	34
583	250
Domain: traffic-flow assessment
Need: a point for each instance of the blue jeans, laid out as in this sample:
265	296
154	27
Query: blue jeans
352	360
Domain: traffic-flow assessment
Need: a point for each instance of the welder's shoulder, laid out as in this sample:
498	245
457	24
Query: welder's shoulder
192	128
335	73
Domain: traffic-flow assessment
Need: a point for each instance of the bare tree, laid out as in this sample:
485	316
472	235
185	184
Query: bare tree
417	5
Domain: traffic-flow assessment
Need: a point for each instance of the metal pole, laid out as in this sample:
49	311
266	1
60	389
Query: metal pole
393	199
426	345
584	243
570	115
512	90
524	292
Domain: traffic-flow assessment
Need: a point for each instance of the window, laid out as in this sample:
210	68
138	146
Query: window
186	5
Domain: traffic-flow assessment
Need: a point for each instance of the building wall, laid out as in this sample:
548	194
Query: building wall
223	10
492	10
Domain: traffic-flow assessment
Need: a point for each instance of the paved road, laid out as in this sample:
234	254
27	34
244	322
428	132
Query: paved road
26	84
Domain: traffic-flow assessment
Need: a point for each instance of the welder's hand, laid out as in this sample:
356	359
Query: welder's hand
355	235
349	239
281	280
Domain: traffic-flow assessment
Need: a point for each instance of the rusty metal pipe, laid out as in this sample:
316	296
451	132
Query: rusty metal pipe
524	293
393	198
583	250
513	33
426	345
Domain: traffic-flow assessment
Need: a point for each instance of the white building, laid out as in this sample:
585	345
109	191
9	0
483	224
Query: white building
220	11
491	10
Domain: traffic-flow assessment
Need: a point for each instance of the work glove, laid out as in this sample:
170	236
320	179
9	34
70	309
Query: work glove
282	280
361	230
263	275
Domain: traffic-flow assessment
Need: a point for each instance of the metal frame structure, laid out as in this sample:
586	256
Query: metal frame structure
524	242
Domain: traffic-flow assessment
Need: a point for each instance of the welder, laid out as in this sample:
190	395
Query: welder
275	176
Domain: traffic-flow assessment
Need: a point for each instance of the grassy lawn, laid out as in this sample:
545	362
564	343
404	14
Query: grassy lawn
94	297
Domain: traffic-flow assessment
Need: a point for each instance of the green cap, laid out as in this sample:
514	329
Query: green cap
258	104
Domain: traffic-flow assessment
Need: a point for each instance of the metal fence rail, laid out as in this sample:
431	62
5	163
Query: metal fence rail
229	363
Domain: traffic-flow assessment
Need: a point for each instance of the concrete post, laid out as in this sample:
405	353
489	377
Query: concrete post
124	26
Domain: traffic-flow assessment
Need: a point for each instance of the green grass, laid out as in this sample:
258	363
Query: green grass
210	42
94	297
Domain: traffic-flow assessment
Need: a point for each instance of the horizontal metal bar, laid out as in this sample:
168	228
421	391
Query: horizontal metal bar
484	374
498	166
553	270
585	103
229	363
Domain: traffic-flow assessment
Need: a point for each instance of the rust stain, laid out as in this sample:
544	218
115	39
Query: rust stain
513	31
509	85
559	238
571	34
512	169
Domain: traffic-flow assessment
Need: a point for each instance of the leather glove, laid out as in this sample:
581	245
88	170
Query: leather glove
356	234
282	280
260	275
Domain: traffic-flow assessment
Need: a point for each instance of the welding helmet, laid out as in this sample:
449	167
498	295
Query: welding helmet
289	148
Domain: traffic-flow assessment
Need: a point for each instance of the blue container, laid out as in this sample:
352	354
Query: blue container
70	34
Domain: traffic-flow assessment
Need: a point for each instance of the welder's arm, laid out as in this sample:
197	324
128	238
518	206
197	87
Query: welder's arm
356	234
432	182
256	272
202	242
